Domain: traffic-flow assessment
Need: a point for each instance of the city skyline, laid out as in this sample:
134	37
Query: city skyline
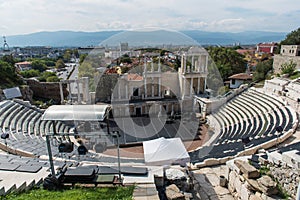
22	17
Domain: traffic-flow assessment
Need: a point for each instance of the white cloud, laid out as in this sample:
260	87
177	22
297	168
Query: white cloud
25	16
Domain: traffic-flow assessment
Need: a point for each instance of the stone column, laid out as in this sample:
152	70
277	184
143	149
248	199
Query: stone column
184	85
159	86
182	63
85	87
78	91
152	88
192	64
205	82
61	93
159	65
126	91
70	90
119	90
145	78
198	86
206	63
191	87
152	67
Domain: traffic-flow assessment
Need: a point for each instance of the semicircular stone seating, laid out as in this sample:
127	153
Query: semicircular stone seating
26	130
252	114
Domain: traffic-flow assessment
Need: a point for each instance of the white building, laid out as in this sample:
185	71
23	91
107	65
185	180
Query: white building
237	80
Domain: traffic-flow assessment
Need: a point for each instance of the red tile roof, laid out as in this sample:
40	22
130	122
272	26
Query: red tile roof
134	77
23	63
241	76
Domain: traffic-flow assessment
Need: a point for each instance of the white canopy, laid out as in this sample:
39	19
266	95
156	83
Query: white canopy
76	113
164	151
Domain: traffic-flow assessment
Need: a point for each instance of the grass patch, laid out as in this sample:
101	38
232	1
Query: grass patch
77	193
282	193
295	75
263	170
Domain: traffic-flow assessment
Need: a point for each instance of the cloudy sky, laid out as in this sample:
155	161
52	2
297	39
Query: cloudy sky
27	16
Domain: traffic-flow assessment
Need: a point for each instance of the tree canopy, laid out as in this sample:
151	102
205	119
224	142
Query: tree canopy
8	76
227	60
288	68
38	65
293	38
48	77
262	69
60	64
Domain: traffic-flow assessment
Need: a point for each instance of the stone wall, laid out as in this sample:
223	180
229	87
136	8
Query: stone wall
280	59
287	177
46	90
245	182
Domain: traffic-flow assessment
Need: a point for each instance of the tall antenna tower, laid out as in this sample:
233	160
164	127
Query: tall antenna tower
5	45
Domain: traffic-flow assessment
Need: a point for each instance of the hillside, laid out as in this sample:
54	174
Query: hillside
76	39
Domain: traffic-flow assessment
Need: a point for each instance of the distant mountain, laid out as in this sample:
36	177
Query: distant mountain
81	39
60	38
225	38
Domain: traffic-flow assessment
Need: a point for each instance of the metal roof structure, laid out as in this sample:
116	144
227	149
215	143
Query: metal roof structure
76	113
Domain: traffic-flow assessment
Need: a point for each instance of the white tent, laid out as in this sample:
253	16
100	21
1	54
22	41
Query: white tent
164	151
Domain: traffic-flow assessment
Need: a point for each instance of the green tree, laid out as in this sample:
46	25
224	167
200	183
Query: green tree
8	75
38	65
9	59
288	68
82	58
30	73
293	38
45	75
52	79
227	60
125	59
87	70
262	69
60	64
67	55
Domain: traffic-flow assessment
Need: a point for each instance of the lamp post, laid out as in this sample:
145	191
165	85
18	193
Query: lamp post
116	134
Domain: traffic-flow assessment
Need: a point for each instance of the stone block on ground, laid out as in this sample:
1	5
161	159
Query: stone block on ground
267	185
173	193
175	174
248	170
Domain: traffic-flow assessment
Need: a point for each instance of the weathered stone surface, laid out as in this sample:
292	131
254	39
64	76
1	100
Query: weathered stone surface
245	193
226	197
267	185
39	88
221	191
253	184
254	197
213	179
175	174
173	193
248	170
238	184
232	176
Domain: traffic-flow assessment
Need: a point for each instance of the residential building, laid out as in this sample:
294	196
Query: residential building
23	66
287	53
268	48
237	80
